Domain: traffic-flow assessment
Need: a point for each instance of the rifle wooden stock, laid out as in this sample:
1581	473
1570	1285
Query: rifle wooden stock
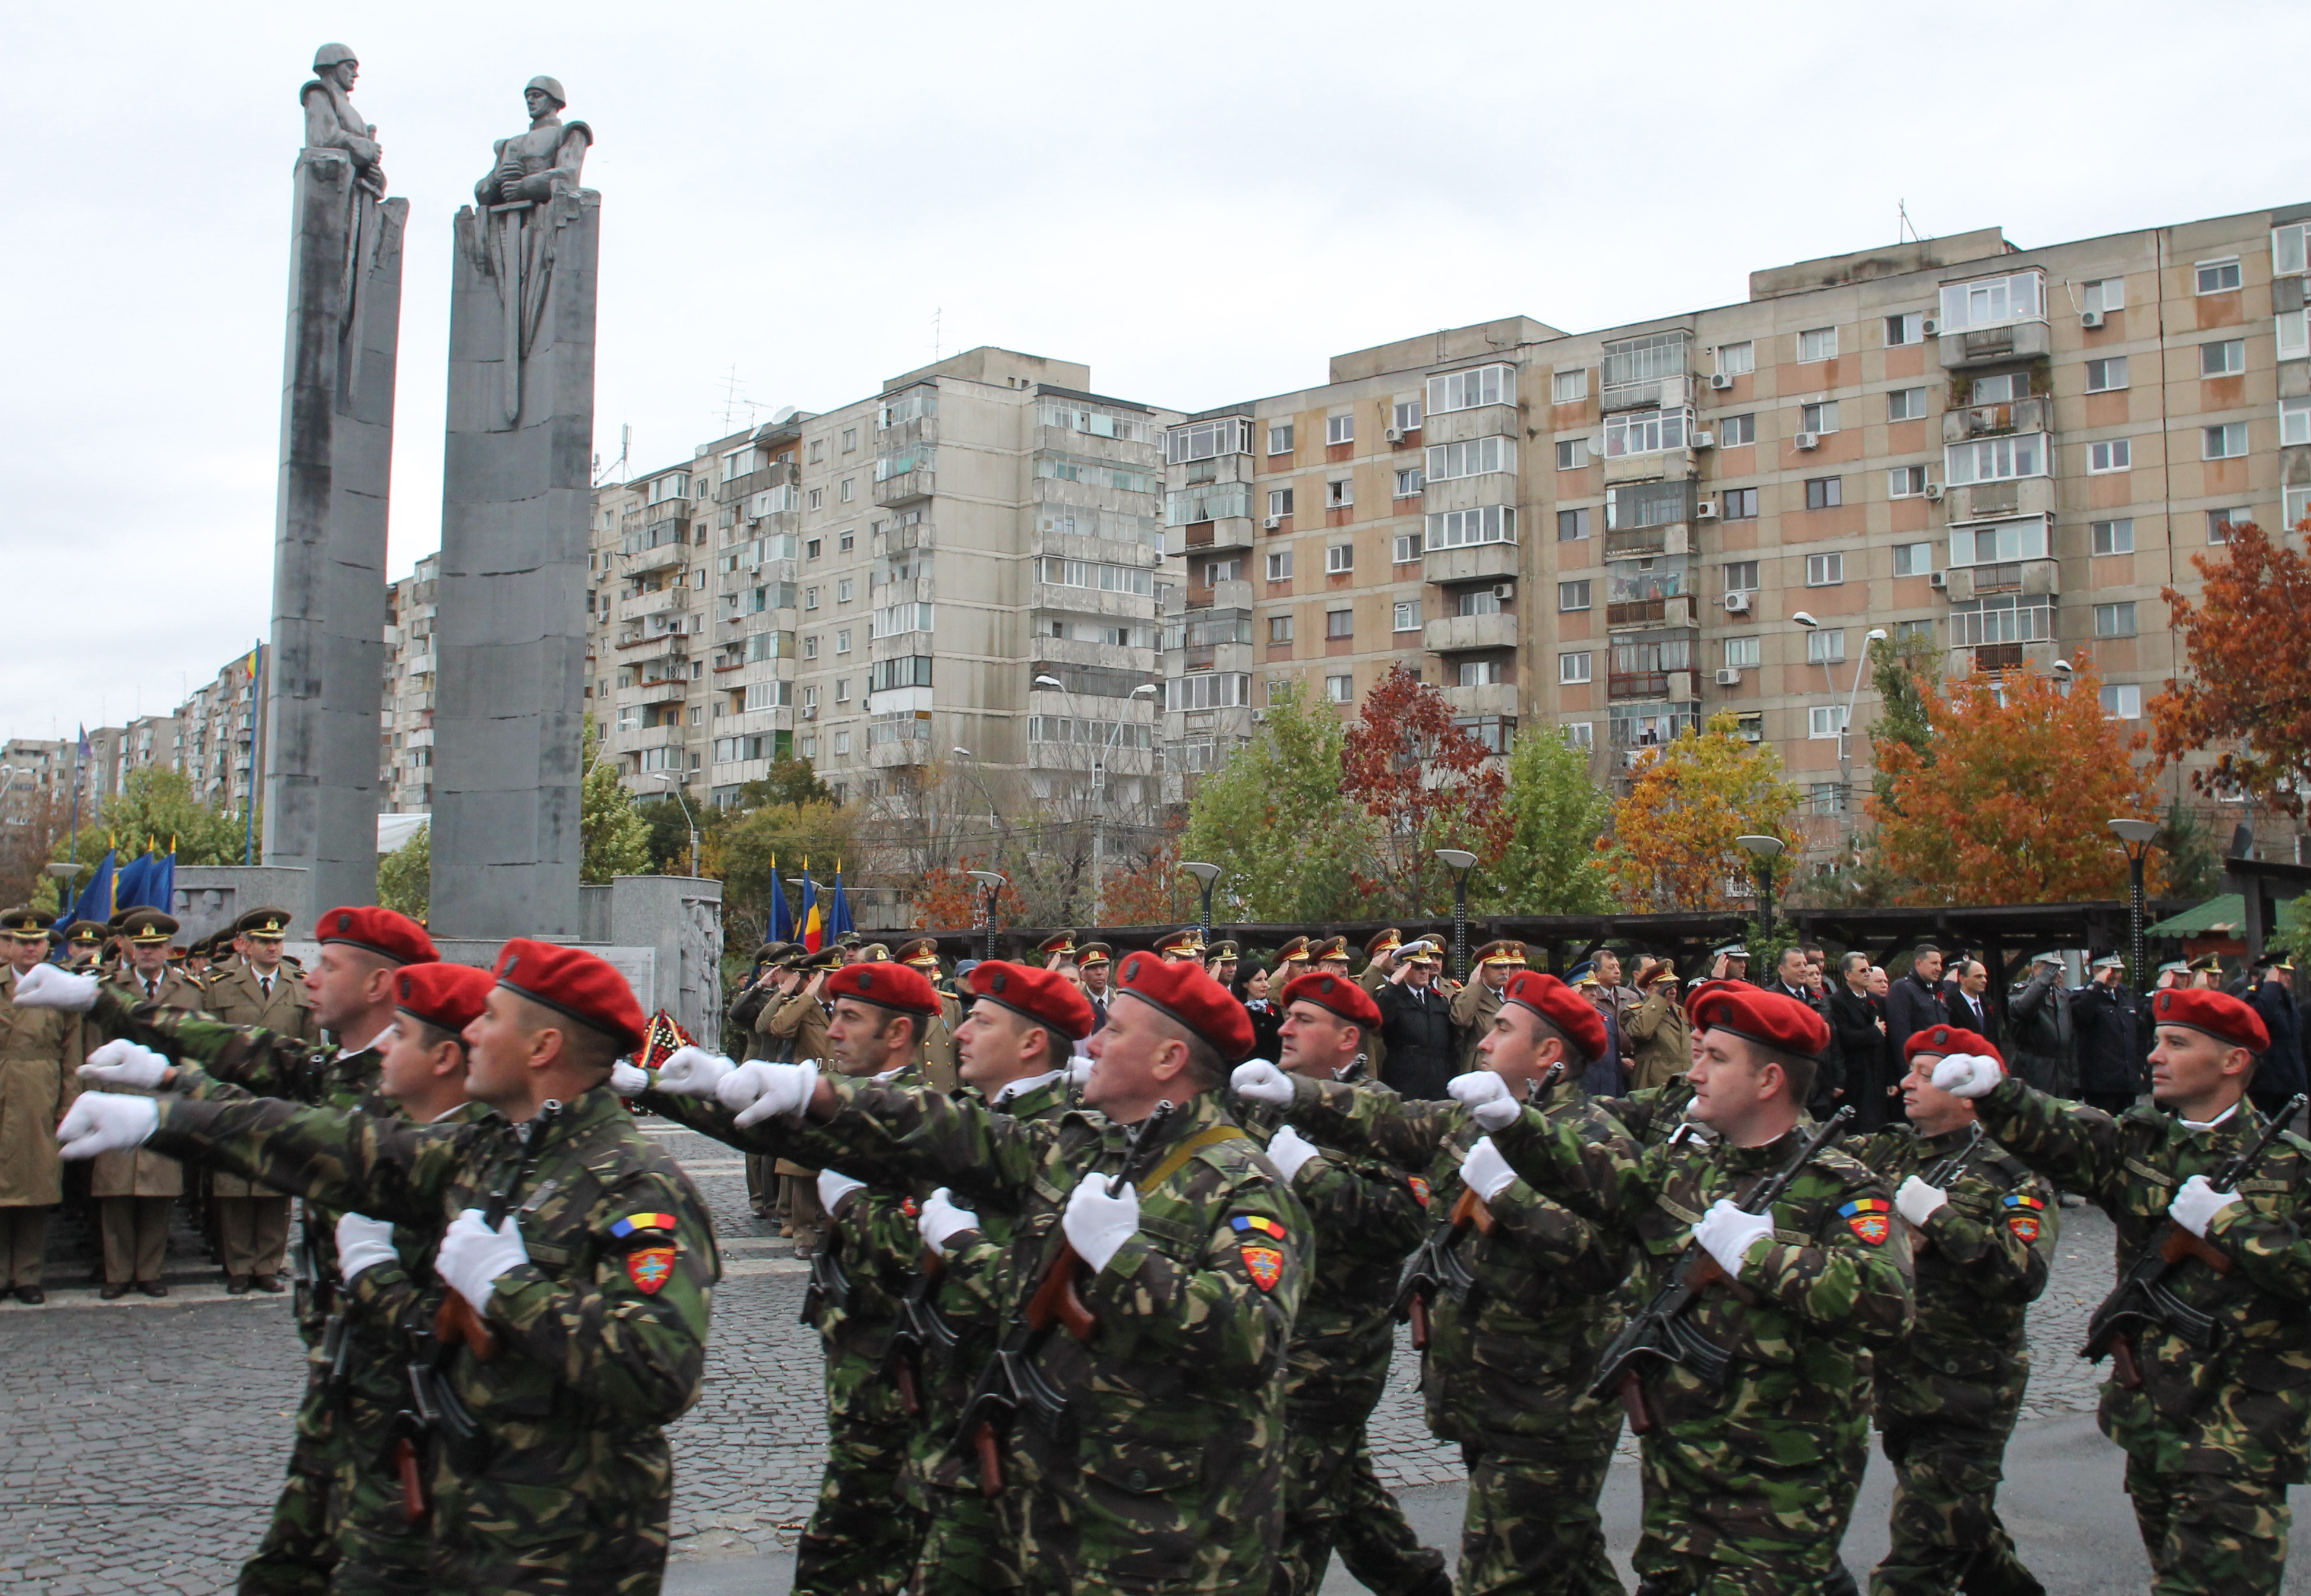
1469	1209
1416	1314
413	1490
990	1460
455	1324
1058	1302
1634	1403
2180	1244
2123	1366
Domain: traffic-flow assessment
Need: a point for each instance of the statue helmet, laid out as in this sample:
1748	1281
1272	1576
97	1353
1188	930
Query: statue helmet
333	55
553	87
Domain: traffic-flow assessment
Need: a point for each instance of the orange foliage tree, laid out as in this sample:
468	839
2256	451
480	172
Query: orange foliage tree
2250	670
1429	784
1154	891
2013	809
1672	845
946	897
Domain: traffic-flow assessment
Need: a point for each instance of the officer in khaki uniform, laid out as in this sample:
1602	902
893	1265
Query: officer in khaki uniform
937	1053
136	1189
1475	1004
1095	962
798	1021
83	945
39	1050
1057	949
256	989
1220	961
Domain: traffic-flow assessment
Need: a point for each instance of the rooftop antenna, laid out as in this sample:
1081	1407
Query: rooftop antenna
936	311
731	403
626	453
1908	225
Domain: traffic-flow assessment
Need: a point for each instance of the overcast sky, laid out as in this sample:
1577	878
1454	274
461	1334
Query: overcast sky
1201	203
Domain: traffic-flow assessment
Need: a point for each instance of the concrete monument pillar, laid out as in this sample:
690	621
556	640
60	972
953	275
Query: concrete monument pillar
321	702
510	629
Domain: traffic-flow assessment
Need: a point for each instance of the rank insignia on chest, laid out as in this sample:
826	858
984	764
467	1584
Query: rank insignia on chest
1257	1224
2022	1211
1264	1264
1419	1190
649	1267
1869	1217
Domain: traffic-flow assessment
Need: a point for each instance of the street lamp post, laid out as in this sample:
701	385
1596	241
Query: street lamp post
992	881
1462	862
1876	634
688	819
2135	837
1098	792
1207	874
1768	849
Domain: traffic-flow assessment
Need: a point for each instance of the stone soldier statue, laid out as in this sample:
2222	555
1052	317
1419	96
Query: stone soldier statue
546	161
331	123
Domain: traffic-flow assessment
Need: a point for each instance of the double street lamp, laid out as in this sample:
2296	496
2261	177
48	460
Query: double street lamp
1098	789
1461	862
1876	634
1767	849
2135	837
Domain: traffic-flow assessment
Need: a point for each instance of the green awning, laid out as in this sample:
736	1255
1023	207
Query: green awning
2218	916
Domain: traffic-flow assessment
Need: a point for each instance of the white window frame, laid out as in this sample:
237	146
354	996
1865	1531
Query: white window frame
2201	269
2112	455
2229	514
1818	415
2122	700
1737	359
2224	440
1339	493
1340	689
1825	720
1339	559
2031	541
1816	343
1905	328
2288	254
1410	482
1744	654
1905	482
1656	431
1279	502
2120	529
2293	422
2007	459
1572	452
2233	350
2103	368
1826	645
1569	385
2116	611
1461	529
1999	301
1404	616
2102	293
1279	565
1404	548
1581	589
1746	424
1340	429
1906	405
1473	457
1469	389
1333	633
2291	333
1279	437
1405	415
1575	668
1914	560
1826	570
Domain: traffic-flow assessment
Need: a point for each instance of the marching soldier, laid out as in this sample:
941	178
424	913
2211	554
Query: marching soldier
1475	1004
1748	1485
1097	962
1510	1356
580	1258
2214	1434
135	1191
1982	1229
39	1050
252	1221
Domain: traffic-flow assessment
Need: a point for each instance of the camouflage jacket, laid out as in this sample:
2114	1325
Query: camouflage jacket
1651	1114
1509	1367
2243	1408
602	1331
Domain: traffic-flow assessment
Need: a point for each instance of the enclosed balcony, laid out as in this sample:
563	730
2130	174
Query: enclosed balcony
1468	634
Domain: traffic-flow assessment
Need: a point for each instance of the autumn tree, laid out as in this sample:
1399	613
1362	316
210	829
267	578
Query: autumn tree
2012	809
747	850
1555	813
1427	784
2249	681
154	809
1288	842
1905	672
1672	847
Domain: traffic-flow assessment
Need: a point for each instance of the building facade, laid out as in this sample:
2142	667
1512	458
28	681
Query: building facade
405	725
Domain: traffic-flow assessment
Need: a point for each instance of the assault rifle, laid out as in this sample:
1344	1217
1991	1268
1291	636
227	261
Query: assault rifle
457	1322
2143	1296
1011	1381
1661	1330
921	1326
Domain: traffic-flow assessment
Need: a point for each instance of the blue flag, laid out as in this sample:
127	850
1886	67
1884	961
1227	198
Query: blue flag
782	923
129	887
95	902
838	919
160	886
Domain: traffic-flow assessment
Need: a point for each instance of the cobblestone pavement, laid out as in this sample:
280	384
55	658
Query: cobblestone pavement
145	1438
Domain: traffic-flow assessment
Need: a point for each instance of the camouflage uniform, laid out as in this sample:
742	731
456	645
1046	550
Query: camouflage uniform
1506	1371
567	1485
1948	1397
1747	1488
2212	1441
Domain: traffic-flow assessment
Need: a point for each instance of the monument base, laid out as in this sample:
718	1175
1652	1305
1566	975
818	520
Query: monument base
210	897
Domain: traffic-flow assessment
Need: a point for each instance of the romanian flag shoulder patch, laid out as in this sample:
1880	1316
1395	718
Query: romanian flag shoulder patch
1257	1224
635	1224
1869	1217
1264	1264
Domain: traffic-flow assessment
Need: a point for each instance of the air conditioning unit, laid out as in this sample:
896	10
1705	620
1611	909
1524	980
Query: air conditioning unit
1706	510
1273	521
1394	436
1928	327
1934	492
1260	717
1704	440
1729	678
2089	318
1809	440
1720	381
1737	604
1505	591
1938	578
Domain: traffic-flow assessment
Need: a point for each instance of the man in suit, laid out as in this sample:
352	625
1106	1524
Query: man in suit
1914	1003
254	988
1857	1028
1969	1006
136	1189
1793	978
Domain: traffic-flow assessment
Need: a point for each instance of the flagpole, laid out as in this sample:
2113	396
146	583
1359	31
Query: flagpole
256	762
71	855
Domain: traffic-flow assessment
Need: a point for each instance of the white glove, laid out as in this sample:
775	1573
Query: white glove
472	1255
1098	1224
1484	1171
46	986
762	1091
629	1081
942	1220
1289	1151
1727	1234
122	1063
1079	1072
1487	1098
1918	1201
2197	1203
692	1072
1968	1074
362	1243
834	1186
103	1123
1262	1082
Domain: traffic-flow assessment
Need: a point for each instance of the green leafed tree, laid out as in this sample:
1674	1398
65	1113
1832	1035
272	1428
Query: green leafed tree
614	835
1556	814
1288	842
746	850
404	877
156	809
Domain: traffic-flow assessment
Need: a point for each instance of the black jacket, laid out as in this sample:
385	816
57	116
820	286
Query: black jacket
1986	1024
1266	1029
1830	1080
2044	1034
2279	1074
1417	1025
1912	1006
2110	1051
1862	1047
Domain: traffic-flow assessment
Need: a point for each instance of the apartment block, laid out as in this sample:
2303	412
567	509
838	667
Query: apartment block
216	737
1620	532
967	559
406	723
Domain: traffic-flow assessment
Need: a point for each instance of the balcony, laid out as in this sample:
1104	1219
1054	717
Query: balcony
1677	611
1224	595
1475	562
1641	542
668	689
1495	697
666	556
1986	421
2020	577
1984	346
1678	686
666	600
1465	634
631	740
906	488
1205	537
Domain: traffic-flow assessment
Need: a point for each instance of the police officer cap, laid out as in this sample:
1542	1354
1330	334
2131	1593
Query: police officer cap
553	87
333	55
2108	961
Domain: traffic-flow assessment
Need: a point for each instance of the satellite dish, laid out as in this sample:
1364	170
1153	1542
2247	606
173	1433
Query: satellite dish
783	414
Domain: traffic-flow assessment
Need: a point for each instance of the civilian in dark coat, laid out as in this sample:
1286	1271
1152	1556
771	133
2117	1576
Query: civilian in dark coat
1792	978
1969	1006
2044	1036
1857	1023
1264	1005
2107	1017
1415	1023
2278	1074
1914	1003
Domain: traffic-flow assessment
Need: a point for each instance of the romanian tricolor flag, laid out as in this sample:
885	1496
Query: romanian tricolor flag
813	922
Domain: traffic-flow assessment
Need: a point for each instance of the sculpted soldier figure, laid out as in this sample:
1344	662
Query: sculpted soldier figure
331	123
543	161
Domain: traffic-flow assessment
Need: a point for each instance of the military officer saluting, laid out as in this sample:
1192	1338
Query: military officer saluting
135	1191
938	1038
40	1049
252	1221
1187	943
1475	1004
1056	949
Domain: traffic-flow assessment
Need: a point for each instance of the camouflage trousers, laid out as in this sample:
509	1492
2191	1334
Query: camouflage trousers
298	1552
2211	1532
1678	1573
1531	1527
1946	1534
862	1537
971	1546
1684	1548
1333	1500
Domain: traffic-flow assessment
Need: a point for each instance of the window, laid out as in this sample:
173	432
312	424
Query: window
2226	442
1573	525
1340	623
2000	544
817	450
2224	358
2220	522
810	598
1905	482
1823	493
1733	432
1571	597
1737	359
1226	690
1405	616
810	698
1825	720
809	645
1910	328
1279	437
2114	620
2112	537
906	671
847	542
1407	415
1216	571
1340	557
2294	423
843	590
2102	293
2217	276
1340	429
1207	440
1339	689
1992	301
1573	669
1740	504
1457	529
2295	509
1826	645
1579	733
1339	493
2002	387
1279	502
813	548
1995	459
1479	601
1466	390
1280	628
1566	386
1279	566
842	690
1818	418
1409	483
1404	548
2286	251
849	486
843	641
1474	457
1572	452
1922	630
1824	570
1906	405
816	497
1817	343
1741	576
2102	375
1481	673
2117	454
1646	431
1914	560
1742	654
2122	700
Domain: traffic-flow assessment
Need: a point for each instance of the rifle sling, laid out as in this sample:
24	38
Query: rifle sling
1188	1147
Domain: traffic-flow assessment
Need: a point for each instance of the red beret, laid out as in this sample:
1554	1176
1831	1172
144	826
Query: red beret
397	937
573	981
1770	1018
2221	1015
447	995
1040	997
1562	1007
1941	1040
886	985
1341	996
1693	998
1187	995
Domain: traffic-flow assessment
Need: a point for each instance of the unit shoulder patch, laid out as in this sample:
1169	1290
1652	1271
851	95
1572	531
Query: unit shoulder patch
1264	1264
1869	1217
